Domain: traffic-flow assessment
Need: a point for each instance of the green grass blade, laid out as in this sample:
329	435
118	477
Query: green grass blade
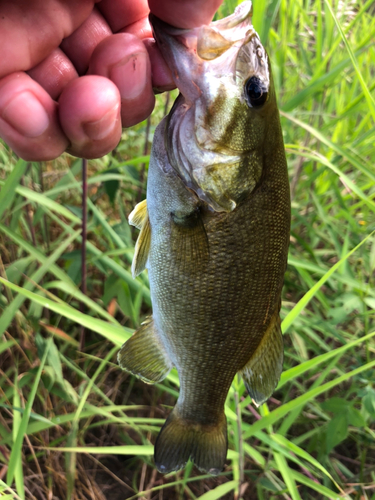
301	453
76	293
17	446
135	284
285	471
358	164
323	490
18	472
10	311
115	334
298	308
7	345
300	369
9	187
219	491
276	415
35	253
324	161
369	98
46	202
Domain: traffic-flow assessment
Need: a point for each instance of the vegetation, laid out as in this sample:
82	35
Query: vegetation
73	425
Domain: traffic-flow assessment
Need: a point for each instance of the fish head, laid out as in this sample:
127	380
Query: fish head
217	129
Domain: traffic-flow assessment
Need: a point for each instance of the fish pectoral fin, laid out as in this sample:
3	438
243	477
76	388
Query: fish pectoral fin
139	214
142	247
262	373
144	356
180	440
189	242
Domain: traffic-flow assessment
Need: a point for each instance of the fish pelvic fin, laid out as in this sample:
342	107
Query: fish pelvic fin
262	373
180	440
144	356
139	218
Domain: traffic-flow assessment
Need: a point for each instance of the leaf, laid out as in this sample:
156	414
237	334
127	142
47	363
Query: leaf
337	431
370	301
369	402
267	484
53	359
355	417
335	405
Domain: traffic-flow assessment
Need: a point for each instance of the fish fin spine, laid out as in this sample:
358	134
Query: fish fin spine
262	372
138	215
142	247
180	440
144	356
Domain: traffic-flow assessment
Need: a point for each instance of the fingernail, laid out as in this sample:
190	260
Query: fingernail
130	75
26	114
100	129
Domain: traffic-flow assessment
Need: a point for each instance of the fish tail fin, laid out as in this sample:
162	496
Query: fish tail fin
180	440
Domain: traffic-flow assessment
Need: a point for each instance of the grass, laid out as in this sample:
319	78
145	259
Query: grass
73	425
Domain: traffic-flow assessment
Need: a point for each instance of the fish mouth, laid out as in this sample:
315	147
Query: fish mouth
189	53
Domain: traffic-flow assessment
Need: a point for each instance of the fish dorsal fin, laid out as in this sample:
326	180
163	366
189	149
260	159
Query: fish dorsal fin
144	355
138	215
139	218
262	373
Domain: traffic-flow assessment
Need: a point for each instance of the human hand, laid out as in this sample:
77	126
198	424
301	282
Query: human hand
47	106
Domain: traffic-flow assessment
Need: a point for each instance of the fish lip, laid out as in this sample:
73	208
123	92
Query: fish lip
187	50
162	25
178	48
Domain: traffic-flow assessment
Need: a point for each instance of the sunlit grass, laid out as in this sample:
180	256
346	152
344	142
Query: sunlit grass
73	425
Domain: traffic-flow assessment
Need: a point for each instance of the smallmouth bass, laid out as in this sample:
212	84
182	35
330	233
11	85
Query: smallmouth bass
214	236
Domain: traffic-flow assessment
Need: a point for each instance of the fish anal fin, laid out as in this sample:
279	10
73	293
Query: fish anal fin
142	247
180	440
138	215
262	373
144	355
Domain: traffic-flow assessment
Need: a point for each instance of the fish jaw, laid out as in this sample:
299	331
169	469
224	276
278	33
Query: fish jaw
215	138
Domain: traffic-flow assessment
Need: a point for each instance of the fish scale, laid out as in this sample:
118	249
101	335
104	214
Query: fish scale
214	237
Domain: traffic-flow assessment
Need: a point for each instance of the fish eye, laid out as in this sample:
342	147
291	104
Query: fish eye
255	92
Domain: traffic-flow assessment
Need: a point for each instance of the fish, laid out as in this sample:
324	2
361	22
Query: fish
214	236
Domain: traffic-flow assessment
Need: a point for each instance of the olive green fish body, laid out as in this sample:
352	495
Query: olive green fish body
214	237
